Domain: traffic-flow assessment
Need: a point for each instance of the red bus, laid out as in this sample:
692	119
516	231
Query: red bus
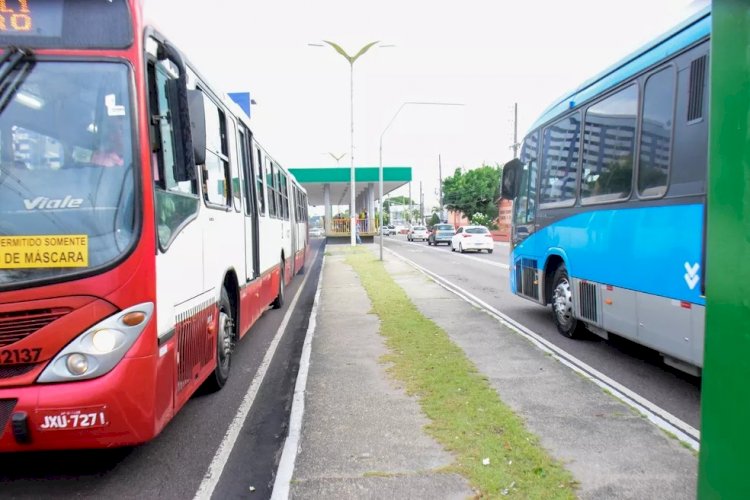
143	229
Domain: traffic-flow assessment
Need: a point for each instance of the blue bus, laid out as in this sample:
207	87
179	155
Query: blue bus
609	197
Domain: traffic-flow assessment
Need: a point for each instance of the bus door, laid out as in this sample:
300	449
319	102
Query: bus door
252	254
525	263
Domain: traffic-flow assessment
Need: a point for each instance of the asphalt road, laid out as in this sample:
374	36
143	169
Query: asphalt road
637	368
174	464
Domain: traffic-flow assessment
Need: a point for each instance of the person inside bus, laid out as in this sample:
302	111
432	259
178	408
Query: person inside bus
111	147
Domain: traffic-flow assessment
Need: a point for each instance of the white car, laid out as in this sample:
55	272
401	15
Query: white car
317	232
472	238
417	233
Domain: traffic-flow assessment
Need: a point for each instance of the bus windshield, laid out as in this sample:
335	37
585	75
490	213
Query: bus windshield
66	169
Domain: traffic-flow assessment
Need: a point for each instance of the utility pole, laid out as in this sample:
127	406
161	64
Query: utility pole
515	130
421	204
440	187
408	214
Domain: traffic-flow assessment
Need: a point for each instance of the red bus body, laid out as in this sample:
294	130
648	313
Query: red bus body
132	402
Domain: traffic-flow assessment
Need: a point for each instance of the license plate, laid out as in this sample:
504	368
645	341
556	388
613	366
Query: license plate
68	419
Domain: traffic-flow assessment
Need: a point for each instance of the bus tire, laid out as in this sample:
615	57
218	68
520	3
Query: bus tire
278	302
226	337
562	305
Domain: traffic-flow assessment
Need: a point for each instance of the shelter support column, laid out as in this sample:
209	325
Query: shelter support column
327	207
371	205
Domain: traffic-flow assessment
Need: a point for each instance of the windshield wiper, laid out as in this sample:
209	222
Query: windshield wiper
19	62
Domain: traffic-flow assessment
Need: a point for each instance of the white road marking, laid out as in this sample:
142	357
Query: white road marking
657	415
211	479
291	445
464	256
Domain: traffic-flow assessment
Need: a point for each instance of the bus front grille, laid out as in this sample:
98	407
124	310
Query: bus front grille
6	410
10	371
17	325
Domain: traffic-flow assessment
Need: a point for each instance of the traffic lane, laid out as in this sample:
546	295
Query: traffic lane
635	367
500	256
253	462
172	465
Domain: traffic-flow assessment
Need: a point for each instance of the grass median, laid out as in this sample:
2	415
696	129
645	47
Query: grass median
467	416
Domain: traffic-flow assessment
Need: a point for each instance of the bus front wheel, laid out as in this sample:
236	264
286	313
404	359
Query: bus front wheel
225	339
562	305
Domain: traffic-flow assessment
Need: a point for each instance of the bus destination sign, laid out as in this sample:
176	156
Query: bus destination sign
41	18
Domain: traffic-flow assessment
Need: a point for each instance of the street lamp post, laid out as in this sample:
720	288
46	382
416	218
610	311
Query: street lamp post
352	180
380	165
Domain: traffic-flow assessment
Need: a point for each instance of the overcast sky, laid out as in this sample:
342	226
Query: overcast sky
485	54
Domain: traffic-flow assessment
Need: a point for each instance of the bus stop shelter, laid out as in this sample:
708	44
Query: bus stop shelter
330	186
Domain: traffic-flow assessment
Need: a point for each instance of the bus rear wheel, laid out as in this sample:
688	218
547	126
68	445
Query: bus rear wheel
562	305
225	339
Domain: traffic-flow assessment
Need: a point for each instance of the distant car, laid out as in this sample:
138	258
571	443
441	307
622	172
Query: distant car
388	230
441	233
417	233
400	229
317	232
472	238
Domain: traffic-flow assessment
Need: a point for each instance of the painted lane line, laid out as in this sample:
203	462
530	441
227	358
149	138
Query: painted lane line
463	256
291	444
213	474
657	415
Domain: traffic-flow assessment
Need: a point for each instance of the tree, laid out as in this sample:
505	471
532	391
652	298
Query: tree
401	200
435	219
473	192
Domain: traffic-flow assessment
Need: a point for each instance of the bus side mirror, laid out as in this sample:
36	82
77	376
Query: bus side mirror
511	179
197	125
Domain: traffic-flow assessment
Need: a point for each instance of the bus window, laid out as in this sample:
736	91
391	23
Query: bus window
608	145
247	172
284	196
560	162
525	203
258	170
235	175
271	186
656	133
176	201
216	170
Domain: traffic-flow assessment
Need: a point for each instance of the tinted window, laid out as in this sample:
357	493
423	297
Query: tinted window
608	144
656	133
443	227
560	161
477	230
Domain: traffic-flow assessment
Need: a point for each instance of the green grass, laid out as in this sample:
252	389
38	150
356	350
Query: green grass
466	414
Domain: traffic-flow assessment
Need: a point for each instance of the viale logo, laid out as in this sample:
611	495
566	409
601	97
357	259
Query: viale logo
44	203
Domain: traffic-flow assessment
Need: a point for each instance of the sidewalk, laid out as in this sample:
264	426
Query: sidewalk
362	437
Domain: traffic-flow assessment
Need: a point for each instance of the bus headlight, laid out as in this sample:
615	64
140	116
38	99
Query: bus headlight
97	350
77	364
107	340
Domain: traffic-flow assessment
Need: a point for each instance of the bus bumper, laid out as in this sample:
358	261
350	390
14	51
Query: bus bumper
114	410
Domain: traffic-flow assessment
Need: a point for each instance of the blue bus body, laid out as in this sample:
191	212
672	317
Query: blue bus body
609	214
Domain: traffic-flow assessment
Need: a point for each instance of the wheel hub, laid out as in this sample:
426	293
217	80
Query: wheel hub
563	303
225	337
